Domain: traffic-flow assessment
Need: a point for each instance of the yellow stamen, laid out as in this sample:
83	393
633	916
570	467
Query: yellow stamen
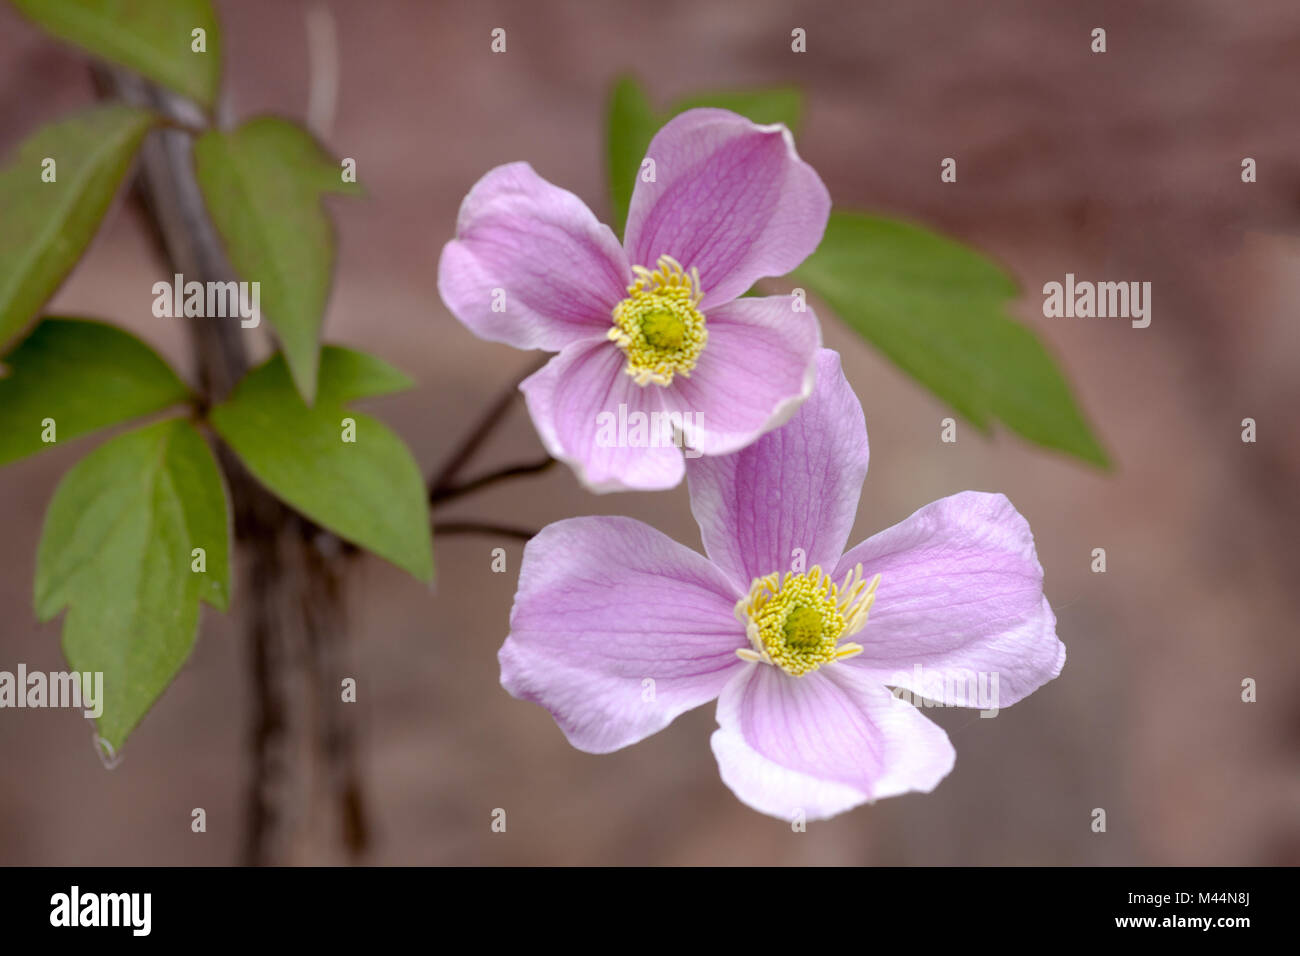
796	622
659	326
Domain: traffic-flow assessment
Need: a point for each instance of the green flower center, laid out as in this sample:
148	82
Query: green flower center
803	627
663	330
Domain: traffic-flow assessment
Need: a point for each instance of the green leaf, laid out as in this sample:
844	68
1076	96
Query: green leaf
937	309
47	225
765	107
85	376
632	123
116	551
152	37
263	185
369	491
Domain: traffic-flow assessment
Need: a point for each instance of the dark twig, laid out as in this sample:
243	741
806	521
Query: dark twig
303	749
442	482
485	528
513	471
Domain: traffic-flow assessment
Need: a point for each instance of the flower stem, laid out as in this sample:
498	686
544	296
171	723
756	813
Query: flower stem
437	497
484	527
442	483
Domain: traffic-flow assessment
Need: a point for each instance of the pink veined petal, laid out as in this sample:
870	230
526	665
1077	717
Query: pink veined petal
758	367
605	606
530	265
796	487
960	597
730	198
574	403
822	743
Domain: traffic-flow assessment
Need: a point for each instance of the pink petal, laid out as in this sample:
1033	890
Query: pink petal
757	369
822	743
961	595
566	399
731	198
561	271
796	487
616	630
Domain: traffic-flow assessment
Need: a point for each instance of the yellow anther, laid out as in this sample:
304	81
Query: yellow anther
796	622
659	326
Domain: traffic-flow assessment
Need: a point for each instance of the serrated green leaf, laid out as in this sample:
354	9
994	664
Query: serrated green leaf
153	37
937	309
84	376
632	122
263	184
370	491
47	225
116	551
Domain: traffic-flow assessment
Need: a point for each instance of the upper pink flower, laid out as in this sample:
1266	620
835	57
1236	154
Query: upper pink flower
616	629
653	325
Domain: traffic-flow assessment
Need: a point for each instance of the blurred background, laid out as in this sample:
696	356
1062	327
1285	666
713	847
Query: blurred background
1122	166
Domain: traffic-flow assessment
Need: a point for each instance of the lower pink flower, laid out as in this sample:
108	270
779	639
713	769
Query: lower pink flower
617	629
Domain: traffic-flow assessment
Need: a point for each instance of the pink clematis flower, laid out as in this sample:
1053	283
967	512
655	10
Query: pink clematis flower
617	629
656	350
